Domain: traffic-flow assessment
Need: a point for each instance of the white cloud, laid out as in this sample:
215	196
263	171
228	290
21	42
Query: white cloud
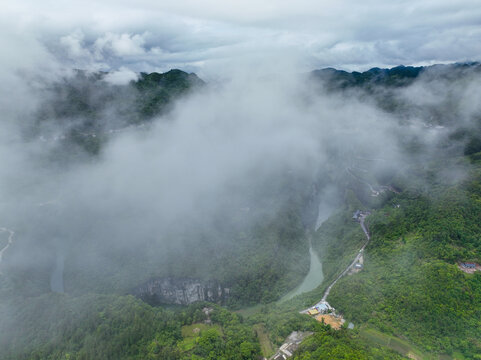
74	44
121	76
121	44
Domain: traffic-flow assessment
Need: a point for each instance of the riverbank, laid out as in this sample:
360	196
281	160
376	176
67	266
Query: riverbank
323	307
313	279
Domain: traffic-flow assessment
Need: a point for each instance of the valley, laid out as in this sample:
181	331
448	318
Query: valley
170	243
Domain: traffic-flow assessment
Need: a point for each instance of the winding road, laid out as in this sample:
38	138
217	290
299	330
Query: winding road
10	240
362	181
356	259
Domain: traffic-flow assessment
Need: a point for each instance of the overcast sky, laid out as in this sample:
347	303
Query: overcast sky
205	36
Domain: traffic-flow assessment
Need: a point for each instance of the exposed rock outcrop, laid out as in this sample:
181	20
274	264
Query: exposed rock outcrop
181	291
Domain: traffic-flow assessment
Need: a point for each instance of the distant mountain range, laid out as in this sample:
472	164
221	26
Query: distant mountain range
395	77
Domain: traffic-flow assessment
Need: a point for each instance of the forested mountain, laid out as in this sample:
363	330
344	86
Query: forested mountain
80	112
144	203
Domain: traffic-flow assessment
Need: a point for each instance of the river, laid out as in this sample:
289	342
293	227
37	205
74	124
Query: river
313	279
315	276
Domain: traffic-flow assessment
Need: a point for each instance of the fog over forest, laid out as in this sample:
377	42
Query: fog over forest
127	158
224	154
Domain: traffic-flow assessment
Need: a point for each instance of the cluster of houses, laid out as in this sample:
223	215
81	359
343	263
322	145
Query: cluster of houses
358	214
325	313
321	307
293	341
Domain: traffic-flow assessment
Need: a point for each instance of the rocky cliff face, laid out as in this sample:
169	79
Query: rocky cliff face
182	291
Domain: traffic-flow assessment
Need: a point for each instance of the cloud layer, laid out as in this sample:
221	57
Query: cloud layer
219	149
150	35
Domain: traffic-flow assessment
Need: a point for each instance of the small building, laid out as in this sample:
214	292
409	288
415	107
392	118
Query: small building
290	345
324	308
358	266
313	312
356	214
468	267
285	349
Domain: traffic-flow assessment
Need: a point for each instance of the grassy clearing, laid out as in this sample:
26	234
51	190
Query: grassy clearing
457	356
187	344
266	345
399	345
403	347
191	333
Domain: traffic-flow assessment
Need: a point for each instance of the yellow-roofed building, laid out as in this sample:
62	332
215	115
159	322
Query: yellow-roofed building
313	312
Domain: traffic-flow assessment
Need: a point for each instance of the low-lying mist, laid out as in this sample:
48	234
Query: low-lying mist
190	185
